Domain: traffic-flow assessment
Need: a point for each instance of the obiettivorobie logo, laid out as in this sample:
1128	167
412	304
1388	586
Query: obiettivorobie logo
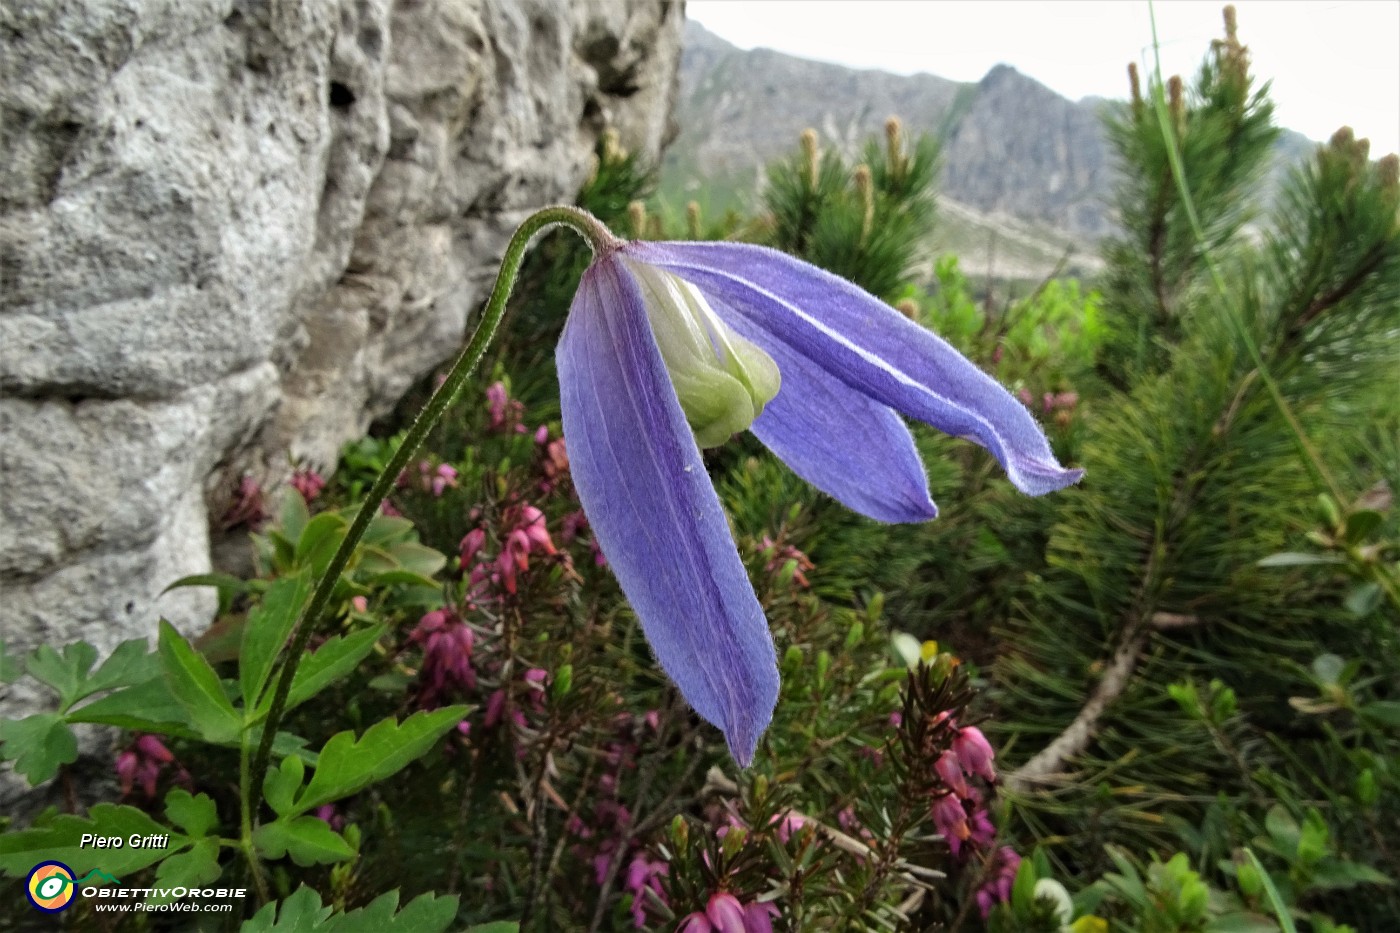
51	886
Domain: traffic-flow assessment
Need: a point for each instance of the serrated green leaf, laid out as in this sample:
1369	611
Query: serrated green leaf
292	514
63	672
304	913
346	765
194	868
335	659
195	814
144	707
59	840
132	662
195	685
300	912
308	840
280	788
38	744
427	913
266	631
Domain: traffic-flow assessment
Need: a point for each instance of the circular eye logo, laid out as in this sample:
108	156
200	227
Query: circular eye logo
50	887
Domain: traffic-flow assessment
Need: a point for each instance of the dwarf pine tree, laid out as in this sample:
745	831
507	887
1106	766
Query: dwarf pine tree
1208	659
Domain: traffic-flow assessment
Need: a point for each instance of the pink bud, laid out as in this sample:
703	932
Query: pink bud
758	918
951	819
949	770
694	923
975	752
151	747
725	912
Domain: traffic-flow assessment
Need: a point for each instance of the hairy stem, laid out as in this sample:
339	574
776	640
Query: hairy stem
601	240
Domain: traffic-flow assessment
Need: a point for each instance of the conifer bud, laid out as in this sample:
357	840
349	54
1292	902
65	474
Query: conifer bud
1388	172
1231	25
908	307
637	219
1175	101
894	143
692	220
866	191
810	155
593	166
1136	88
654	230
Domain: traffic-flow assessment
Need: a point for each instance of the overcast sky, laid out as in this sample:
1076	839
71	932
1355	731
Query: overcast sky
1332	62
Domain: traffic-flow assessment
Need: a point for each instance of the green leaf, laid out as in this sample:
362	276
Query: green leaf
282	784
418	558
304	913
1296	559
1284	829
1384	712
330	662
145	707
197	688
224	582
1363	598
428	913
384	529
266	631
196	815
132	662
38	744
64	673
498	926
199	866
319	540
292	514
1334	874
1360	524
60	840
347	765
308	840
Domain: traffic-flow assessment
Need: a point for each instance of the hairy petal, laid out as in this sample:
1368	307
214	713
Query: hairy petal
854	449
655	514
869	346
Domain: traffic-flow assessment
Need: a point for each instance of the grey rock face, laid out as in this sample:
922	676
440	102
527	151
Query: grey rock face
232	233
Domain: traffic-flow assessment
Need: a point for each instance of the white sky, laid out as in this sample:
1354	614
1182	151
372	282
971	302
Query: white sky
1332	62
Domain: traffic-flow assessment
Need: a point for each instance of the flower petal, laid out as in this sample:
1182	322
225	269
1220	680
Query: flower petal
874	349
655	513
854	449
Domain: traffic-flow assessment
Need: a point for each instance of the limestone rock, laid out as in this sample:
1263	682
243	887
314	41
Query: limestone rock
233	232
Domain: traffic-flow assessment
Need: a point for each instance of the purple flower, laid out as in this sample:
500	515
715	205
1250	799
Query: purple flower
671	346
975	752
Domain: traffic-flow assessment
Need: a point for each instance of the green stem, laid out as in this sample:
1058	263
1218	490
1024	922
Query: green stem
602	241
1311	460
245	841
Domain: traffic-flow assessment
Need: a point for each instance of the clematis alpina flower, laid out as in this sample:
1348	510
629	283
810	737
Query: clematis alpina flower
673	346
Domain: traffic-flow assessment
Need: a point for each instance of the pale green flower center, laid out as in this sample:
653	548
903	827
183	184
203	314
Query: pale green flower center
722	380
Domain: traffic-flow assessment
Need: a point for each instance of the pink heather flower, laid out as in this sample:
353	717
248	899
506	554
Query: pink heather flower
695	923
951	820
142	762
387	508
644	874
997	888
949	770
330	815
542	435
505	411
975	752
896	719
471	545
758	918
308	482
360	604
447	652
248	507
787	825
443	477
781	555
1025	396
725	913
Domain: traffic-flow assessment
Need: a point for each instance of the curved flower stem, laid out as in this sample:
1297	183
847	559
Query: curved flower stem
601	240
